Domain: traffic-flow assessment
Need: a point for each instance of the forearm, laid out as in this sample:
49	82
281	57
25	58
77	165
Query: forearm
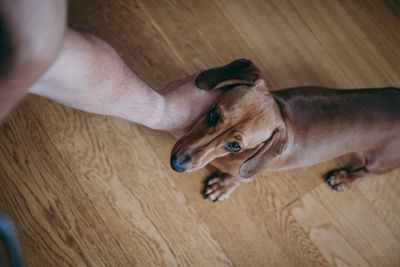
89	75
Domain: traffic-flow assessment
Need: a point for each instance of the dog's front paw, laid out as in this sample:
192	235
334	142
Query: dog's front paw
219	186
339	180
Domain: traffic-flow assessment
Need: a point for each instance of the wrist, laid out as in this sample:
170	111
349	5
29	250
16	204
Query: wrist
155	119
166	114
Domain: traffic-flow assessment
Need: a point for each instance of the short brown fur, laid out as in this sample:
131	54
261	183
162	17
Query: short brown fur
289	129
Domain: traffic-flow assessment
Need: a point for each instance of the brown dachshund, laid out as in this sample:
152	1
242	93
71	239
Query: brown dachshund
252	129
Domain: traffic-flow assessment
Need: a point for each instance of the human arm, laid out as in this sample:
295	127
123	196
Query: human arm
89	75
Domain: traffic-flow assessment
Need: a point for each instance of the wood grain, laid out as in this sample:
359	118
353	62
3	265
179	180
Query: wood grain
345	226
89	190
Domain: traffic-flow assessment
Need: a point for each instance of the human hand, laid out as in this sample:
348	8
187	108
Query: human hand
185	104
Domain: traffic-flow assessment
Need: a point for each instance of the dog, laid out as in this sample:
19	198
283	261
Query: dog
251	129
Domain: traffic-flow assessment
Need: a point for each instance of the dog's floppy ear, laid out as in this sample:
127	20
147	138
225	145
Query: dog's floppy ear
241	71
271	148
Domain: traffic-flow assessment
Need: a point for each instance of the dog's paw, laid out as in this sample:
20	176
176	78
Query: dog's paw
339	180
219	187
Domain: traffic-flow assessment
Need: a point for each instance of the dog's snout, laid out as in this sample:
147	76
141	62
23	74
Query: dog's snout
179	163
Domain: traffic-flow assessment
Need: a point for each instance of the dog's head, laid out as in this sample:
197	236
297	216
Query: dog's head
245	117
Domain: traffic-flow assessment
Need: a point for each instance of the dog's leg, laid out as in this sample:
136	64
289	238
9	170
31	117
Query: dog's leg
343	179
219	186
377	162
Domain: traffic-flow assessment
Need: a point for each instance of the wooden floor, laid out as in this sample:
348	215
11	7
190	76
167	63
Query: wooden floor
91	190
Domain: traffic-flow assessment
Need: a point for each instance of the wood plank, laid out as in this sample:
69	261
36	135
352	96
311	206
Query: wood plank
318	43
345	228
46	201
383	193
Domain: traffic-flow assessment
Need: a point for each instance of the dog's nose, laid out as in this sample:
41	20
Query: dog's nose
179	164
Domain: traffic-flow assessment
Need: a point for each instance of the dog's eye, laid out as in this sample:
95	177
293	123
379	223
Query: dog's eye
233	147
213	117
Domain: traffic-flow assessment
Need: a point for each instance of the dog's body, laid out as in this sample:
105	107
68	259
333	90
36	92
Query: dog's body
303	126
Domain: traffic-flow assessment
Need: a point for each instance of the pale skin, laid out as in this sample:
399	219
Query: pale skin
82	71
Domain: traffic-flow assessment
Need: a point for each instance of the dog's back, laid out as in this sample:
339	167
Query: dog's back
330	123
